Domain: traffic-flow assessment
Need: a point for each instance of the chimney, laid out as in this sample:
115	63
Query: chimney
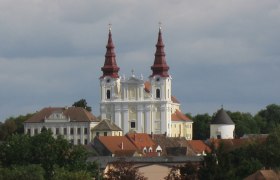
122	145
152	135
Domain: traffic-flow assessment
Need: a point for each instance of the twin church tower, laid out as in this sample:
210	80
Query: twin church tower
138	105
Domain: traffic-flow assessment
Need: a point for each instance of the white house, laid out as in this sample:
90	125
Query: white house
74	123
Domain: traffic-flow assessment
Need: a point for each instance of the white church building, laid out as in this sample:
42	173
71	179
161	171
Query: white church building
138	105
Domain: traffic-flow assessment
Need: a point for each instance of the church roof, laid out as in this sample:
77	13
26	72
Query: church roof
75	114
222	118
160	66
179	116
110	67
106	125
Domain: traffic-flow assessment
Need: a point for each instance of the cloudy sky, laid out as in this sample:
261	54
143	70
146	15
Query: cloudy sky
219	52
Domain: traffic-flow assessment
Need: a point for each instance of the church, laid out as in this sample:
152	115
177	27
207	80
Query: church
142	105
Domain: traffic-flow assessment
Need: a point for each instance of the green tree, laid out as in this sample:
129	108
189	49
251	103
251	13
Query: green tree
61	173
123	170
271	115
201	126
13	125
30	172
82	103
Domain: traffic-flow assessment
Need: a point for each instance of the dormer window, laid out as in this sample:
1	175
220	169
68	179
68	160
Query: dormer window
158	93
108	94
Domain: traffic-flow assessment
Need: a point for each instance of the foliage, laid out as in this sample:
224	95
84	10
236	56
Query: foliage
188	171
30	172
13	125
271	116
61	173
45	150
82	103
122	170
201	126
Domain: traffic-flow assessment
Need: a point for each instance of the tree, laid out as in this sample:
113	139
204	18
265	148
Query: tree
30	172
201	126
122	170
13	125
189	172
47	151
271	115
61	173
82	103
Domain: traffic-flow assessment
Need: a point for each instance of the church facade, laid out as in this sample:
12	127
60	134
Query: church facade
138	105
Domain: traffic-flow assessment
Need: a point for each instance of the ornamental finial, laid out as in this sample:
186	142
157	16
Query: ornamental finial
110	27
159	24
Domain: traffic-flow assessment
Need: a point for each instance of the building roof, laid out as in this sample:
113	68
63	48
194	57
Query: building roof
106	125
264	174
110	67
222	118
170	144
117	143
160	67
179	116
198	146
75	114
141	140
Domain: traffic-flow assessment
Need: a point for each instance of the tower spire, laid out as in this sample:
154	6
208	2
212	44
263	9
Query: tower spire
160	67
110	67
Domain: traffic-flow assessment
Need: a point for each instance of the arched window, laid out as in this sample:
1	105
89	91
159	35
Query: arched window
157	93
108	94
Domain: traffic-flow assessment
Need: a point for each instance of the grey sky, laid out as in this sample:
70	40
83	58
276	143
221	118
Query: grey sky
219	52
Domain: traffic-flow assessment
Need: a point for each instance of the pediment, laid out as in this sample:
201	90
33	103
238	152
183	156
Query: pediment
133	80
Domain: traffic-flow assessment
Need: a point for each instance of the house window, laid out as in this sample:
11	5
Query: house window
97	133
72	131
36	131
132	124
56	131
79	141
79	130
64	131
108	93
105	133
157	93
72	141
85	141
29	131
85	131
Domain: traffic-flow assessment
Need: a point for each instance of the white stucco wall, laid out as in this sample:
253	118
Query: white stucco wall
224	130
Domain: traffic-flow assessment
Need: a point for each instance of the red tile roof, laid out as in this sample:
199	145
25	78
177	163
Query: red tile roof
179	116
76	114
115	144
198	146
141	140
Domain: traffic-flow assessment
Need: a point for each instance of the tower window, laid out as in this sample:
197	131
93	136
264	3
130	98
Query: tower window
108	94
157	93
132	124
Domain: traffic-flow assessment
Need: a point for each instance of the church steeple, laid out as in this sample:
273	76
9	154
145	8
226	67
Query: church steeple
110	67
160	67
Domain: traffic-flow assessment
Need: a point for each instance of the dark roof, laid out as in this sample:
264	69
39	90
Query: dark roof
222	118
76	114
106	125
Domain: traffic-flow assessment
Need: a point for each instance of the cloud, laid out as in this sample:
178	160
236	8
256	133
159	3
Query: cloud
222	52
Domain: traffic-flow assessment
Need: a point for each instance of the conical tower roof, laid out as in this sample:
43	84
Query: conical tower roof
110	67
222	118
160	66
